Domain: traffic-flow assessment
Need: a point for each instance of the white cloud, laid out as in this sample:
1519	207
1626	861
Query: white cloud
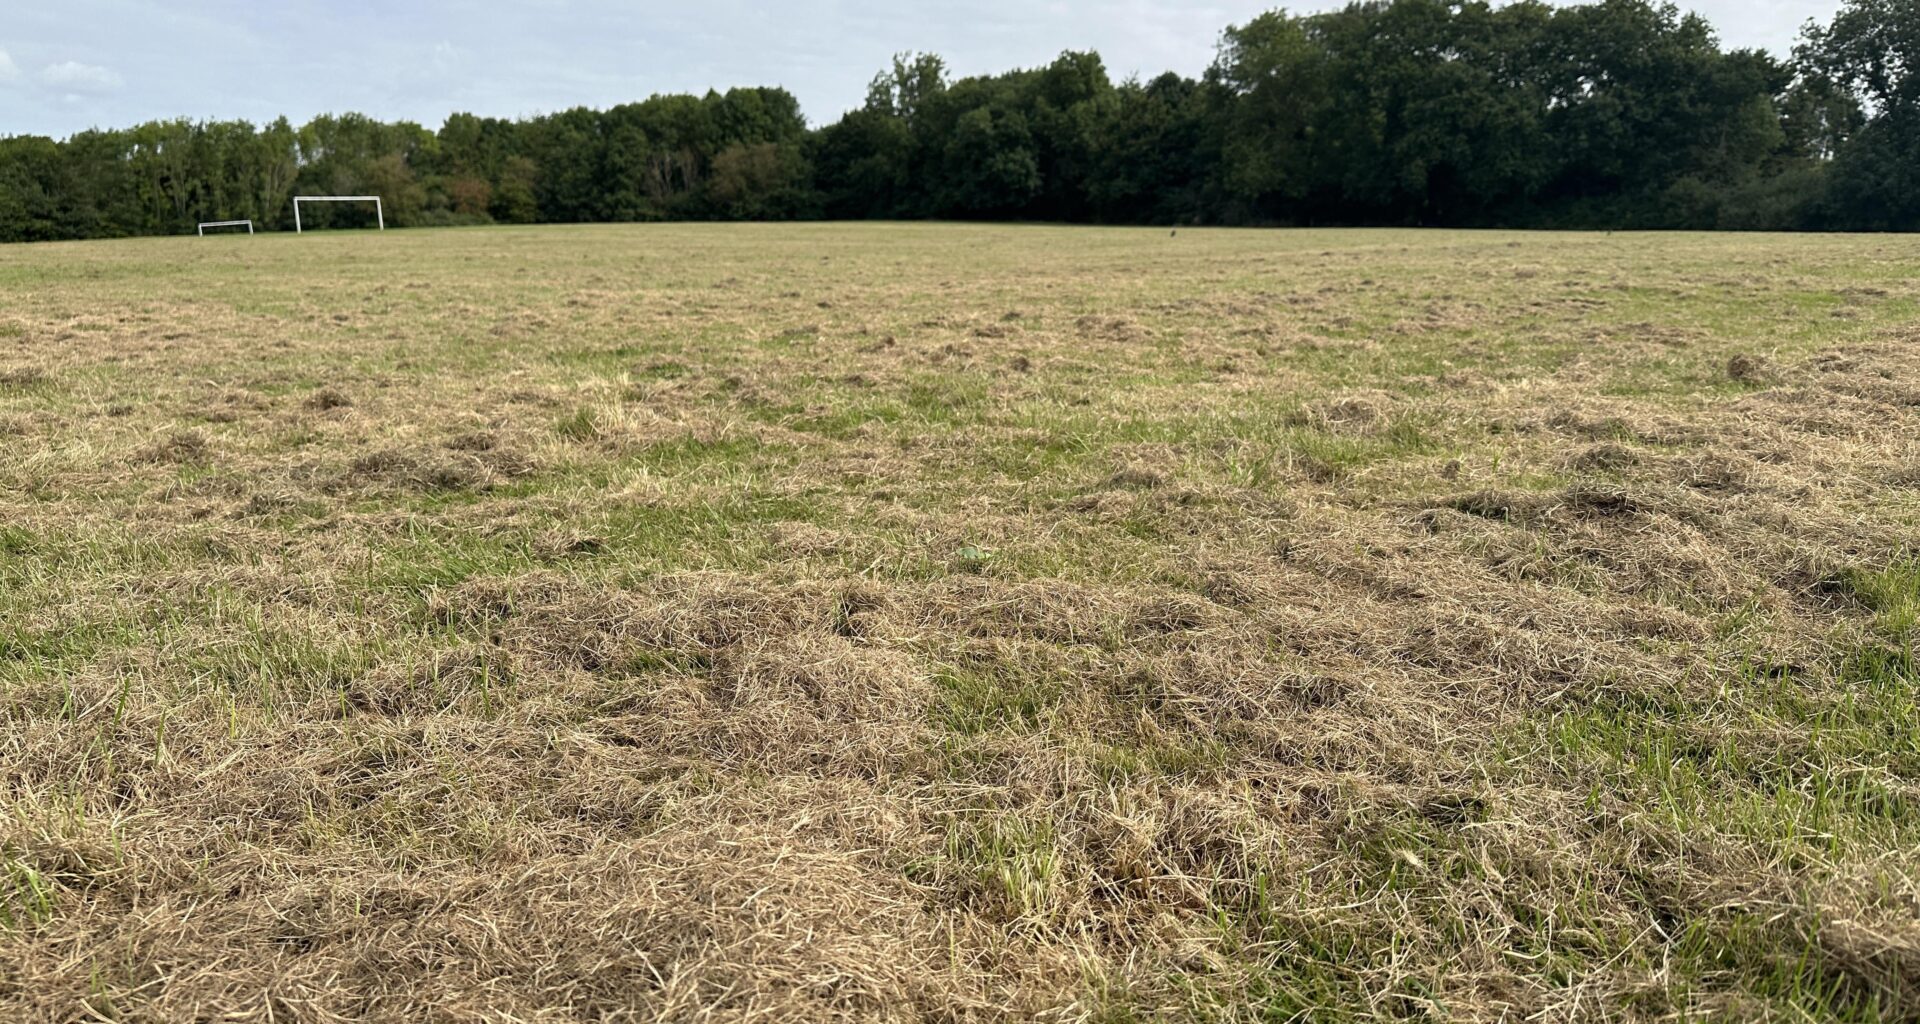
83	78
8	69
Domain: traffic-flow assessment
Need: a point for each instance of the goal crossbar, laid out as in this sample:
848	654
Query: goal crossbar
379	213
204	225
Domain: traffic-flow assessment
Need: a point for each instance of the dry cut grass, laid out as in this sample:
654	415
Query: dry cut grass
944	623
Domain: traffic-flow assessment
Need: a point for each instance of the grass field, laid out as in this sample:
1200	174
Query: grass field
959	623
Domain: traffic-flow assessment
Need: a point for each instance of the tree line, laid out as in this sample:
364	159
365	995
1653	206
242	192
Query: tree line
1615	113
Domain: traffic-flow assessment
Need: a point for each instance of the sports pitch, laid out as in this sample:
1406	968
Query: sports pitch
959	623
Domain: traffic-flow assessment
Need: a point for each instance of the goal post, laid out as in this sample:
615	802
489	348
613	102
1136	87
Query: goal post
204	225
379	213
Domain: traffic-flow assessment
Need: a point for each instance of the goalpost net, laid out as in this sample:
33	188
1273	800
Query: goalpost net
379	213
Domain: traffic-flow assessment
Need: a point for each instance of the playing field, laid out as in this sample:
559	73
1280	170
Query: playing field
954	623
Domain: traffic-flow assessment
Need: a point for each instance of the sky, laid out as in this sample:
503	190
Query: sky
70	65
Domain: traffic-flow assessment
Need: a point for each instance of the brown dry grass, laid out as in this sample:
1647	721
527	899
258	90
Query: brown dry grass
959	624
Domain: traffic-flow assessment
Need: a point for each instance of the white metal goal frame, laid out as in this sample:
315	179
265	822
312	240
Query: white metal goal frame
205	224
379	212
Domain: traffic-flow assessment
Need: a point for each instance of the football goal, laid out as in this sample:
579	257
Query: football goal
204	225
379	214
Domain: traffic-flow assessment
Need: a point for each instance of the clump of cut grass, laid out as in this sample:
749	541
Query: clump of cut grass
1748	368
22	378
328	399
181	447
420	470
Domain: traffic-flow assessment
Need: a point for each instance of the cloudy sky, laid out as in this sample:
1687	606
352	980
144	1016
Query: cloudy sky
74	64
